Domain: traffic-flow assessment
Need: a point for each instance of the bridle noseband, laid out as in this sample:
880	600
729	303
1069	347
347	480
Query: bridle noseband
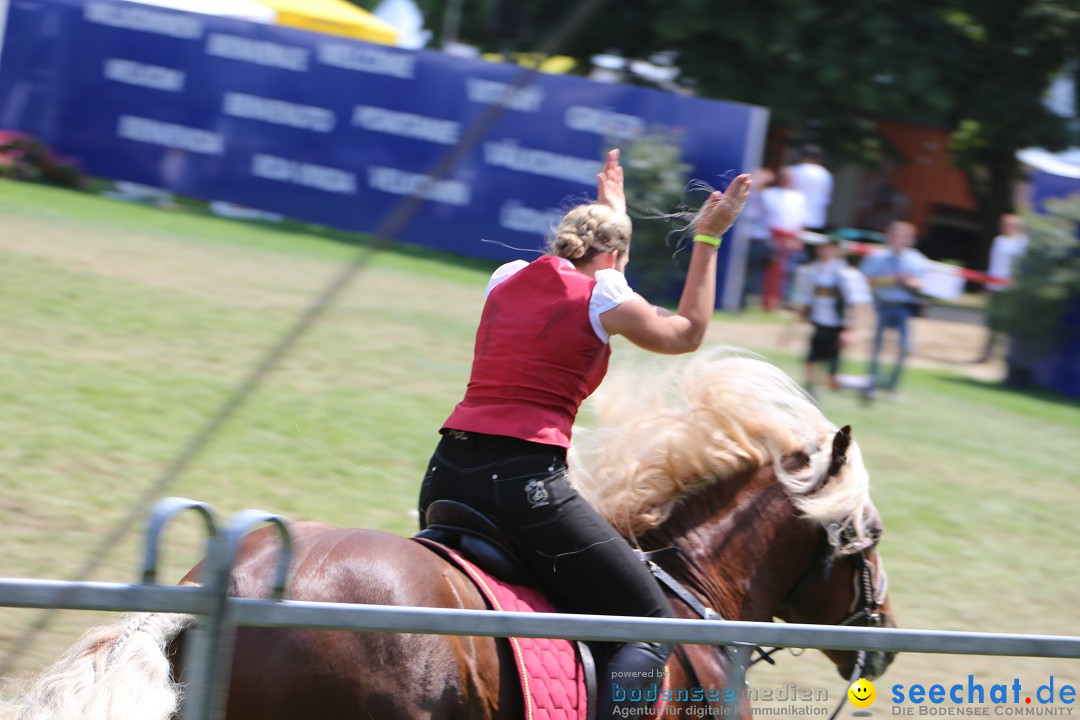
870	580
871	587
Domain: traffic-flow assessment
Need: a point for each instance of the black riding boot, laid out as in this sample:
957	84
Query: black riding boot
631	681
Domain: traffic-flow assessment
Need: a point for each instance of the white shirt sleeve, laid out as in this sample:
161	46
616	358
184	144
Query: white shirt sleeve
802	292
920	264
611	291
1004	254
856	288
502	273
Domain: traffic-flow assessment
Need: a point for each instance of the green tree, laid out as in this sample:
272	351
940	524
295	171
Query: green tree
1004	57
815	64
828	70
656	188
1035	310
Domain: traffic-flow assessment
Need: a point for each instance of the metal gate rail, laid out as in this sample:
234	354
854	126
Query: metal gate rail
212	643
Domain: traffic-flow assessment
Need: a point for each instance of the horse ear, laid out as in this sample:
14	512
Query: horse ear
841	442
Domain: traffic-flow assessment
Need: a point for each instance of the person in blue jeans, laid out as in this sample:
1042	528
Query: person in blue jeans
896	275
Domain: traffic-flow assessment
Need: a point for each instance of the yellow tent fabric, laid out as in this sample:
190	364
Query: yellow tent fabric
551	64
335	17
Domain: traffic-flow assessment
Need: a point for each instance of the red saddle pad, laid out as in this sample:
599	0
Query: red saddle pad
551	674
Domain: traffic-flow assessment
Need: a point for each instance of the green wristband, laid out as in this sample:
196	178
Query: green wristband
707	239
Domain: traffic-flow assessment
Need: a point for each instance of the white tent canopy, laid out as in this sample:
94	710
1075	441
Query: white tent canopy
1065	164
406	17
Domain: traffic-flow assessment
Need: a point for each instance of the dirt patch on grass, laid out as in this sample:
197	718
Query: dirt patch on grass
934	344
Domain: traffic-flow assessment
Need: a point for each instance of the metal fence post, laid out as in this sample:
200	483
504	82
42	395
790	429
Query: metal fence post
210	663
735	703
164	511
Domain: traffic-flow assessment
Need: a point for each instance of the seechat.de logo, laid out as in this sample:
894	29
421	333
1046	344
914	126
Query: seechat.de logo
974	698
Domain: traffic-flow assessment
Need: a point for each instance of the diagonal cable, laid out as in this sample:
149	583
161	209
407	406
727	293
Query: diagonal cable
393	223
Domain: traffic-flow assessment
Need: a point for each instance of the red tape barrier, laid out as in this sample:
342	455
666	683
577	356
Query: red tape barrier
969	275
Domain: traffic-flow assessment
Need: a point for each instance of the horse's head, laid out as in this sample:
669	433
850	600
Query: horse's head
845	581
768	504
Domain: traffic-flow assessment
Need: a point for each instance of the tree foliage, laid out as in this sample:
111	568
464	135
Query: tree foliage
1035	310
656	185
830	65
828	70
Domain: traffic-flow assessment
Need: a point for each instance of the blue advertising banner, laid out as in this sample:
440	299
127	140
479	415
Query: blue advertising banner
1046	185
337	131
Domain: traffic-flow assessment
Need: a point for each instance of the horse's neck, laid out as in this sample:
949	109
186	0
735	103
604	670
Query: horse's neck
741	546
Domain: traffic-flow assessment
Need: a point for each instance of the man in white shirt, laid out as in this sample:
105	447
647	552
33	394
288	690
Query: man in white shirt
831	295
785	216
816	184
1007	249
760	251
1005	254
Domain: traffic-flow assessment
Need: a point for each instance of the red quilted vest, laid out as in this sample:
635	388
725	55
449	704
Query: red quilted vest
536	356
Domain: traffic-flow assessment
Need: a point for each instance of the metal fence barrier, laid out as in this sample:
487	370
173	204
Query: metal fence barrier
213	638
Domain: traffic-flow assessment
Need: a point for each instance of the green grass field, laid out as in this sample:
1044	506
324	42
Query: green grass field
124	328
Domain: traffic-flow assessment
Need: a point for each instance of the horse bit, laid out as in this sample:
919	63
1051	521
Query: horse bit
871	587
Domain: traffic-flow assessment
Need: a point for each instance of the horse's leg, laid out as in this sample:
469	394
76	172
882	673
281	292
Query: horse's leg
285	674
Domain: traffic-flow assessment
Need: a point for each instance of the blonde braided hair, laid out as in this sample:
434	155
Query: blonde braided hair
590	229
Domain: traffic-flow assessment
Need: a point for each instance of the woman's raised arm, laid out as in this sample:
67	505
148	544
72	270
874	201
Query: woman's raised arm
655	328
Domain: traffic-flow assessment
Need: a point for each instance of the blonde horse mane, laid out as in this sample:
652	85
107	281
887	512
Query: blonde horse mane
661	436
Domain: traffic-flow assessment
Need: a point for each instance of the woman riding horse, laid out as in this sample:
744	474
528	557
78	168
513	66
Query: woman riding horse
767	503
727	460
541	349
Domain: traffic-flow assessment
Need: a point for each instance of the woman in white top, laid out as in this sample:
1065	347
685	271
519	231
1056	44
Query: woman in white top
541	348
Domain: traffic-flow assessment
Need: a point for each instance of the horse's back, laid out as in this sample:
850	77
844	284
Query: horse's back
291	673
345	565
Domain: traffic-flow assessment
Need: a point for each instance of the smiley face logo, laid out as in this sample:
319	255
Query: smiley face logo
862	693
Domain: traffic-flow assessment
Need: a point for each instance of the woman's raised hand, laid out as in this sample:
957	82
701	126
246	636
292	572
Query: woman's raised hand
722	208
609	184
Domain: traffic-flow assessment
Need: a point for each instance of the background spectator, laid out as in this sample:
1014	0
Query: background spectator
760	252
811	178
785	216
896	274
1005	252
830	294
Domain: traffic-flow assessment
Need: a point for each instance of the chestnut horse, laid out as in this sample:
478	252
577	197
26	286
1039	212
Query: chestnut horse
765	500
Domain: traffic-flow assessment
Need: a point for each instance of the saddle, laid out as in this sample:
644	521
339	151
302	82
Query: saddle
473	534
473	542
556	681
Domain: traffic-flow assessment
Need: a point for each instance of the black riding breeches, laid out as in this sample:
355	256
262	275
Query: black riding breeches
571	549
573	552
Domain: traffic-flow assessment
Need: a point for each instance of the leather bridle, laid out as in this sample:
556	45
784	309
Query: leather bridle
871	588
